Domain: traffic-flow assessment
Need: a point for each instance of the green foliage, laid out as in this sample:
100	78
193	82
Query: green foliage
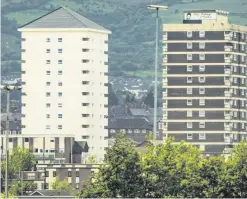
61	185
120	176
92	159
18	188
20	159
168	170
10	196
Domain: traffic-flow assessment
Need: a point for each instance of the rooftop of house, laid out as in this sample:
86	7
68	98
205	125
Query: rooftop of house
129	123
50	193
63	18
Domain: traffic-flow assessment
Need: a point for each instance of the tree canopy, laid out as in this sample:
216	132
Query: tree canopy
168	171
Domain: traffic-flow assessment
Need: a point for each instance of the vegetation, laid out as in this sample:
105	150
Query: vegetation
131	46
20	159
168	171
61	185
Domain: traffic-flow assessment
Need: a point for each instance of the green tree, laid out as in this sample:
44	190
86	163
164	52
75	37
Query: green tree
236	178
20	159
61	185
120	176
18	188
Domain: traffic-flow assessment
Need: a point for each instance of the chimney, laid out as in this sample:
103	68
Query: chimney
126	109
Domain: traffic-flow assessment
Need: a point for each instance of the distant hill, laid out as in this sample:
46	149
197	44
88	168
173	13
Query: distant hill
131	46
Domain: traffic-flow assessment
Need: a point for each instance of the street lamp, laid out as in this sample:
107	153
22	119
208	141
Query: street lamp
8	89
157	8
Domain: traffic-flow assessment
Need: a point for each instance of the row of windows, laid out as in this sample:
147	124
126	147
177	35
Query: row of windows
202	136
60	72
202	102
83	115
203	79
61	126
202	113
130	130
202	57
189	91
61	39
202	125
60	105
202	34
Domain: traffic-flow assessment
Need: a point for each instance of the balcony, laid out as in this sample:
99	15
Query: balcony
228	48
165	37
164	60
164	48
227	105
227	83
228	117
228	71
228	37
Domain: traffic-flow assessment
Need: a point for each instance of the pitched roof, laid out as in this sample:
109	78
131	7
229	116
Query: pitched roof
63	18
50	193
136	123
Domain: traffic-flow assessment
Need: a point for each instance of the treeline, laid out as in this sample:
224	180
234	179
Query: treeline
168	171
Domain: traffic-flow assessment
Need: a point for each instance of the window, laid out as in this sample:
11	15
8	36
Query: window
48	61
85	126
189	102
85	93
47	115
189	113
48	39
189	79
69	173
85	39
85	115
235	57
85	50
48	72
85	61
189	56
201	56
85	137
202	68
189	68
202	136
202	102
189	45
189	125
201	113
60	50
60	115
242	58
85	72
23	39
47	127
59	126
60	83
48	105
60	72
48	94
201	91
60	61
189	136
235	46
10	139
112	131
235	80
85	82
77	185
189	34
60	39
129	130
201	45
201	79
77	173
235	35
54	173
85	104
189	91
242	47
202	125
201	34
48	50
60	94
60	105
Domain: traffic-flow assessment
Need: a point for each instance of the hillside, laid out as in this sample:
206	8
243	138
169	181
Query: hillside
131	46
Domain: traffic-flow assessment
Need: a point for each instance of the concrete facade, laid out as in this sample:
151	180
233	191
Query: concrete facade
64	77
205	82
